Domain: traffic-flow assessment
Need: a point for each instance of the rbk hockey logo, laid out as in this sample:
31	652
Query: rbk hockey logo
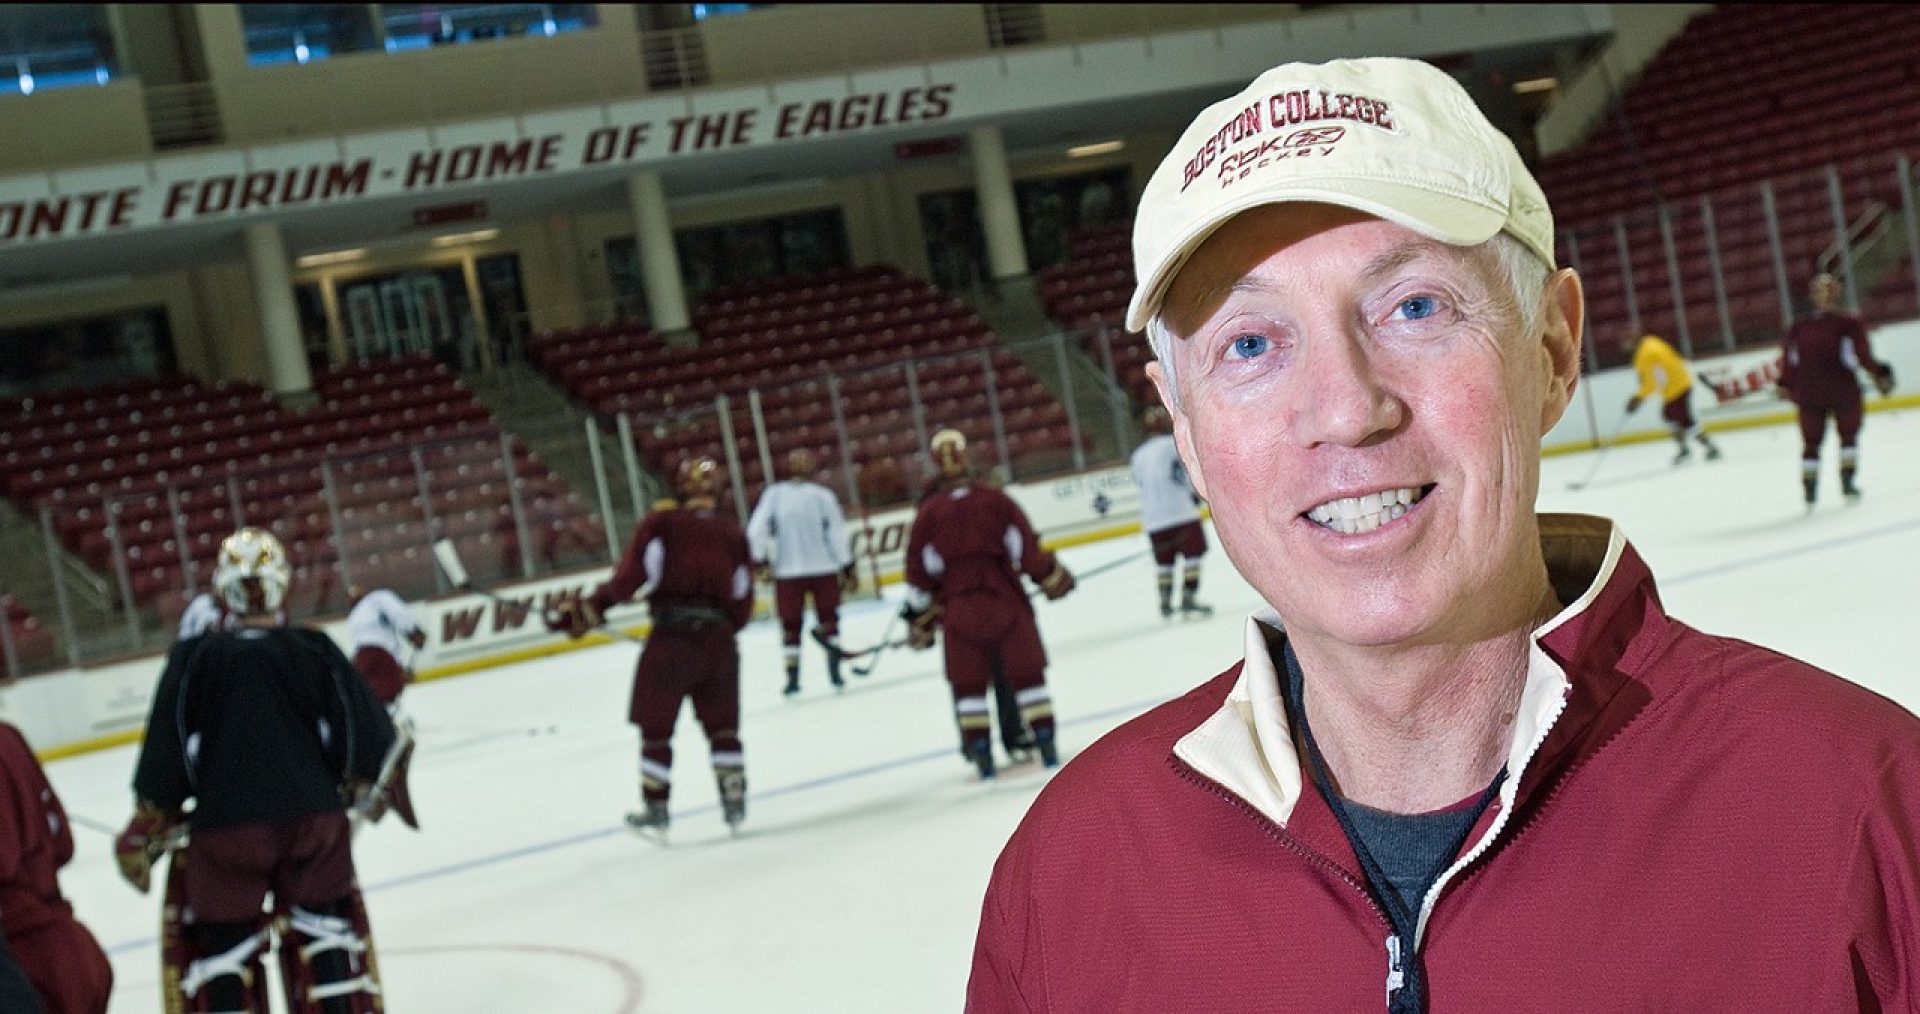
1312	142
1315	135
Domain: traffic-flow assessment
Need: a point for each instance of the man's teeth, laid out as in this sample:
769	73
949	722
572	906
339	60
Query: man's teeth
1357	515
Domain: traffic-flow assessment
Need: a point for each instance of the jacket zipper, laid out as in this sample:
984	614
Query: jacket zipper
1499	821
1396	961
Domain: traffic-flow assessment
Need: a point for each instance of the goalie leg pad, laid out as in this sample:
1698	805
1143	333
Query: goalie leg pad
327	963
226	975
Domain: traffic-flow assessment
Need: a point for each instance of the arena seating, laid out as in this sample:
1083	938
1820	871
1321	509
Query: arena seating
1744	93
33	644
1089	294
143	451
782	338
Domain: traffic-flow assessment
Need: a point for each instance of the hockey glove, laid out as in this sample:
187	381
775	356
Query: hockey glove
921	624
574	617
1057	583
1883	382
144	841
849	580
1633	404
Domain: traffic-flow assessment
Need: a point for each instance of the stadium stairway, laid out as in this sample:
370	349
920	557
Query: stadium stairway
539	413
1015	311
98	623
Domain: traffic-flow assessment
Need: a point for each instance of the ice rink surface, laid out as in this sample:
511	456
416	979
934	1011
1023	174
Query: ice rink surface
868	843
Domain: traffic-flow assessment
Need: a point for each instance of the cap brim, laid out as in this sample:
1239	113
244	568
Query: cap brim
1454	220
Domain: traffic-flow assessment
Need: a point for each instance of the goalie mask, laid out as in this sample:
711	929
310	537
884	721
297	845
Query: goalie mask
251	574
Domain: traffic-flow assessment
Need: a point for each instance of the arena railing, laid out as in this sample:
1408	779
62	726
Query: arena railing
1727	269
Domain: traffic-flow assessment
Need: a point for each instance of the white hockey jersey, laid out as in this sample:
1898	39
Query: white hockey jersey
201	615
381	619
1166	497
797	527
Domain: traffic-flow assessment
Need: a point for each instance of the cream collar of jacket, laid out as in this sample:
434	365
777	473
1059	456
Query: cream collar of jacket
1247	747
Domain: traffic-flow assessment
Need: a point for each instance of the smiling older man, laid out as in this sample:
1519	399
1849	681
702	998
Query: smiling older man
1468	762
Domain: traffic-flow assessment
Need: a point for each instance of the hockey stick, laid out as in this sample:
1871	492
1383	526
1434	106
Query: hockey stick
1113	564
1600	458
448	556
887	640
382	797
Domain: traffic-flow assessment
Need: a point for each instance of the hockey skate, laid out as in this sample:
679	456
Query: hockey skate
1713	453
1049	750
981	754
1685	455
1019	747
834	655
1166	610
733	800
650	823
1194	609
793	685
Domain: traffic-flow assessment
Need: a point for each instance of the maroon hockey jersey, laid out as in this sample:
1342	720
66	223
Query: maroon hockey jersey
685	557
35	840
62	961
1822	354
973	540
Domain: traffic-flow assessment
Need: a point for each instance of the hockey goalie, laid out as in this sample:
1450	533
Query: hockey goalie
261	738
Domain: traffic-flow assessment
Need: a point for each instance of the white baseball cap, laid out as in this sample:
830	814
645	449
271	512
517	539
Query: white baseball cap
1399	139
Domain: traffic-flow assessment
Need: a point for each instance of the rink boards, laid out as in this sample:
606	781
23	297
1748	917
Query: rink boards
79	710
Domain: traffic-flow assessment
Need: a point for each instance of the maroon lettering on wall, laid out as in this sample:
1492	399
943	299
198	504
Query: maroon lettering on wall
260	191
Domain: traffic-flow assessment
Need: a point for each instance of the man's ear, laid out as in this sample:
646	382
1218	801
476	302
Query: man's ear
1562	326
1182	428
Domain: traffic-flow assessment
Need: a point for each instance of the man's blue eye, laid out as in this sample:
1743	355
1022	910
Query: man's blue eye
1418	307
1249	345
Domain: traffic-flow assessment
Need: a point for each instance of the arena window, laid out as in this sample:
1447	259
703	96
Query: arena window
303	33
420	26
54	46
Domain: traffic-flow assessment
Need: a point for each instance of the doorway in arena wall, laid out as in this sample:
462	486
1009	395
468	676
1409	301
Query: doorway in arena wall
416	312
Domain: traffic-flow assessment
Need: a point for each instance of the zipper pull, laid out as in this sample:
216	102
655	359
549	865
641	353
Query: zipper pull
1396	968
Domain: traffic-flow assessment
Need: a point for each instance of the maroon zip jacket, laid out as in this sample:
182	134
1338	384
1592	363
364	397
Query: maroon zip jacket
1697	824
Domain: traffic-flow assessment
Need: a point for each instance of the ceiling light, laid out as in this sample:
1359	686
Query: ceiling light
1536	84
457	238
1090	150
332	257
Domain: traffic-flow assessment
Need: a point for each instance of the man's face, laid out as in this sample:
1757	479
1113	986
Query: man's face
1360	408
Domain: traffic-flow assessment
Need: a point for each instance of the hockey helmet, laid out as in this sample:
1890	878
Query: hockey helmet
949	451
697	477
801	464
251	573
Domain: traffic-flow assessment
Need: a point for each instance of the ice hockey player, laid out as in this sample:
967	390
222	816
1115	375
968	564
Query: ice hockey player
202	614
270	733
1661	370
379	622
62	965
798	532
1821	353
965	553
1168	514
691	564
